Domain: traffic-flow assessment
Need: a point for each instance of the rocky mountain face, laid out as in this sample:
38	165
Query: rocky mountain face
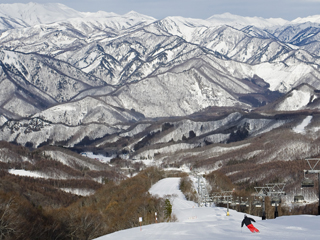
175	90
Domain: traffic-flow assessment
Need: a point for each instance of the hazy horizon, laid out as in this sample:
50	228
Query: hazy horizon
286	9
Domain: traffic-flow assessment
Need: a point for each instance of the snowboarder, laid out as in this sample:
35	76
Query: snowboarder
247	221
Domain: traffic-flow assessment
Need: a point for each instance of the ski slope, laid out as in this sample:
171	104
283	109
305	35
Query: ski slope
201	223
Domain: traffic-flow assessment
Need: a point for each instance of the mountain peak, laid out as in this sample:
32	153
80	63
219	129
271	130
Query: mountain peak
236	20
35	13
312	19
137	15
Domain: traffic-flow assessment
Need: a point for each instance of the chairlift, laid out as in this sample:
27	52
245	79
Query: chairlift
233	204
207	198
224	201
307	182
244	203
257	204
275	201
298	199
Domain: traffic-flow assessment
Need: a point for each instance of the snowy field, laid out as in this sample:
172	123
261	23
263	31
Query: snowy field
196	223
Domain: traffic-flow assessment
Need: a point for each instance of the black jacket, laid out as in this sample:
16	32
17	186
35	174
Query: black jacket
247	221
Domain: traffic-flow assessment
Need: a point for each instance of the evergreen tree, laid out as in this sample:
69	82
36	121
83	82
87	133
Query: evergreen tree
167	209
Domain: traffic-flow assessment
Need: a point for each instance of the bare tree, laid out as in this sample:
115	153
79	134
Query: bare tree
7	220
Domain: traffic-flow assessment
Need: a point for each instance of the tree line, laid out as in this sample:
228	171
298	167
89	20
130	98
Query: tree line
114	206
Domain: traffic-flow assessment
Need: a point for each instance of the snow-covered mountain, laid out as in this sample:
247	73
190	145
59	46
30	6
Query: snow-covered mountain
20	15
239	21
91	78
31	14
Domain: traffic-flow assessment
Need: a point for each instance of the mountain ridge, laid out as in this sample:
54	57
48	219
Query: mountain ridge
63	12
85	80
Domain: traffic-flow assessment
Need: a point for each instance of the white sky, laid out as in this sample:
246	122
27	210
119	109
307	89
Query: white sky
286	9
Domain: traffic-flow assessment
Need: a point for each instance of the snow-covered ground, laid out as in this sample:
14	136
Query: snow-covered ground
301	126
213	223
26	173
98	157
78	191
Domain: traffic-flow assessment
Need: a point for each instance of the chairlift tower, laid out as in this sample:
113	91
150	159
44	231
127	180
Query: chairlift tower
200	182
203	197
262	192
224	194
307	182
273	190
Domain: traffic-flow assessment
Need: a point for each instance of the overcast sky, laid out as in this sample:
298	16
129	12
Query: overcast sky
286	9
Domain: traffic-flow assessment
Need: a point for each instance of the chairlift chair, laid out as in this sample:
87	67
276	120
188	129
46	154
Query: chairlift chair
307	182
243	204
257	204
275	201
298	199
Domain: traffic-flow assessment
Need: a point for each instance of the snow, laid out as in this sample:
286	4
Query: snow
91	67
38	174
313	19
98	157
300	128
183	168
78	191
3	120
203	223
295	101
25	173
170	186
239	21
70	161
35	13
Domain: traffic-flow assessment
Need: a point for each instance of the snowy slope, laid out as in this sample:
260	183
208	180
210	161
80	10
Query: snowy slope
302	97
212	223
301	127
